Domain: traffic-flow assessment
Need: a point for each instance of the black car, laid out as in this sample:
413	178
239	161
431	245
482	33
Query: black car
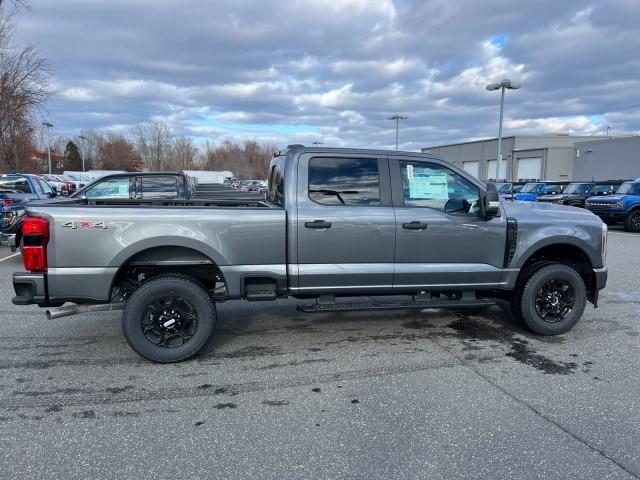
576	193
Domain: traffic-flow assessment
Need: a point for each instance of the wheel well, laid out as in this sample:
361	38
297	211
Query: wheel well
155	261
561	253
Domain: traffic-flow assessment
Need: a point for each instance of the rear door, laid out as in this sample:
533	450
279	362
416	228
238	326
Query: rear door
442	238
345	224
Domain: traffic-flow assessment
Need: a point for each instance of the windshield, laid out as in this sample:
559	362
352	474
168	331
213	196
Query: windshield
532	188
578	188
629	188
504	188
15	185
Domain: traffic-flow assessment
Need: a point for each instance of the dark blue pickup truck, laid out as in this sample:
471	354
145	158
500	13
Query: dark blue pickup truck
623	207
17	190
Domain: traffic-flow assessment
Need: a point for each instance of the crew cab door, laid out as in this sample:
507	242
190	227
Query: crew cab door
442	238
345	224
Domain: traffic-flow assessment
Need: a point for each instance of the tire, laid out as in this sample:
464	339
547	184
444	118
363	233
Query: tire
632	221
170	318
553	300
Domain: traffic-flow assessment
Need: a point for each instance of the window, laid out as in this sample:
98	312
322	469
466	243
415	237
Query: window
111	188
601	190
14	185
434	186
159	187
46	188
276	186
344	181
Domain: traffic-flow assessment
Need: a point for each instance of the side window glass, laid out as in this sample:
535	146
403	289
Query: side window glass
434	186
344	181
45	187
112	188
159	187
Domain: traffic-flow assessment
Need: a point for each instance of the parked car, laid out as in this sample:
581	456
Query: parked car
336	222
16	191
59	184
533	190
623	207
140	185
576	193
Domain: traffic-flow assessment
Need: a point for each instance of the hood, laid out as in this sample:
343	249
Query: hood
525	196
550	198
607	198
561	212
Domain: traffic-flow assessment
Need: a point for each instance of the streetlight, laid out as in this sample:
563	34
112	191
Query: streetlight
503	85
317	143
397	117
84	140
49	126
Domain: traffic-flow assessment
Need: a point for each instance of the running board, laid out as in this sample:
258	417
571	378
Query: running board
357	307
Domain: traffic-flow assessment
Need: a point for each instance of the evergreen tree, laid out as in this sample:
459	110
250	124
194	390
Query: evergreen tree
72	157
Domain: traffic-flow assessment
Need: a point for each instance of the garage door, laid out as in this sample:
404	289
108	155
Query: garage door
492	167
529	168
472	167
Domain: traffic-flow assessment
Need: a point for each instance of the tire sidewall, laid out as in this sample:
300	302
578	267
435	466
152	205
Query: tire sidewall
527	302
628	225
185	288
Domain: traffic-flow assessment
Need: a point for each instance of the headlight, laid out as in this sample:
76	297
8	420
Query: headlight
619	204
603	248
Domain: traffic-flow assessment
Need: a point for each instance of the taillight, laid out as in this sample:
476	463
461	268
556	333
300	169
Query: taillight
35	236
7	201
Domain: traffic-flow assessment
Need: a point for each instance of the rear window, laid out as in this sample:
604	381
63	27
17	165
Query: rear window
15	185
111	188
344	181
160	187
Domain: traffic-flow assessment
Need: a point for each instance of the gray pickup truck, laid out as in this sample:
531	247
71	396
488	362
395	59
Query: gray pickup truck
406	230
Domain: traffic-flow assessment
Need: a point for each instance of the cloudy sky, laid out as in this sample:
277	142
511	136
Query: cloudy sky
298	71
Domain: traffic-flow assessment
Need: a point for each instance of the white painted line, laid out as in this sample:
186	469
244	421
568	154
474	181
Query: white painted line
624	234
10	256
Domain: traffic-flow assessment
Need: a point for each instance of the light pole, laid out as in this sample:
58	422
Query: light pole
84	144
503	85
397	117
48	125
317	143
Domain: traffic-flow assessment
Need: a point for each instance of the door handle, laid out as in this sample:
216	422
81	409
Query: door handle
415	225
317	224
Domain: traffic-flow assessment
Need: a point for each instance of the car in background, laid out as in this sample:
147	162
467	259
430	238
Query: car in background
576	193
139	186
61	185
532	190
623	207
16	191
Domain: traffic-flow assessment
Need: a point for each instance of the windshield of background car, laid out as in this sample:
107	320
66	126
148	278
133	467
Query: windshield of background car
532	188
504	188
111	188
15	185
629	188
578	188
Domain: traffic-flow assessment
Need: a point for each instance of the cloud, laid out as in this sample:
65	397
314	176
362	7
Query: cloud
298	71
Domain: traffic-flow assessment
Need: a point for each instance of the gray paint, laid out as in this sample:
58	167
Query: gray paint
610	159
366	250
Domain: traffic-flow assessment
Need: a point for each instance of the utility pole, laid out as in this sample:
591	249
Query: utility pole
84	143
317	143
48	126
397	117
503	85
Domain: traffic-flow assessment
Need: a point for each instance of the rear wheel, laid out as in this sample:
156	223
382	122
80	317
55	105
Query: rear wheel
168	319
553	300
632	221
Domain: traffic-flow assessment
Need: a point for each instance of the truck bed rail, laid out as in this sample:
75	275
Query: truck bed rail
220	202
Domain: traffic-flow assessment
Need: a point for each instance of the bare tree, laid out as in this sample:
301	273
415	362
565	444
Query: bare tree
115	152
248	161
153	144
183	154
24	89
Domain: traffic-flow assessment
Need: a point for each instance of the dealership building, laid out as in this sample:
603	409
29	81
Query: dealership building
556	157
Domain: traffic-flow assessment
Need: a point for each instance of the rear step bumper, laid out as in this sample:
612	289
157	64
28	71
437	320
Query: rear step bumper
30	289
356	307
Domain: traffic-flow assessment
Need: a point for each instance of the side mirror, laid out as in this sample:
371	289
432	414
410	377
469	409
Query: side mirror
491	202
455	205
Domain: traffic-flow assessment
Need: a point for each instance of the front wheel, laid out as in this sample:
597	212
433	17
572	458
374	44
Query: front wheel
632	221
169	319
553	300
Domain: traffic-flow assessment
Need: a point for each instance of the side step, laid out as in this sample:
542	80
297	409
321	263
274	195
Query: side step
419	305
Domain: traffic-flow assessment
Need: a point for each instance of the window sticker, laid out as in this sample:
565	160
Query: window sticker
428	186
123	189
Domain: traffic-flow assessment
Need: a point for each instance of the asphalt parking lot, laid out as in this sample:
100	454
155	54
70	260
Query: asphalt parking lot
277	394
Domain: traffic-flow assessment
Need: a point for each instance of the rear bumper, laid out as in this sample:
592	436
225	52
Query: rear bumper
30	288
8	239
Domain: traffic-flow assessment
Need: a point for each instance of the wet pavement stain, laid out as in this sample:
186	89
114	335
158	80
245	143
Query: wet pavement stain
294	363
521	352
275	403
116	390
221	406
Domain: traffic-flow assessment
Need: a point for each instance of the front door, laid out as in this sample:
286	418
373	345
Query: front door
442	239
345	224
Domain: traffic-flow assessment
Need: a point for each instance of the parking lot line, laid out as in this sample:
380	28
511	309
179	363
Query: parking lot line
10	256
625	234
